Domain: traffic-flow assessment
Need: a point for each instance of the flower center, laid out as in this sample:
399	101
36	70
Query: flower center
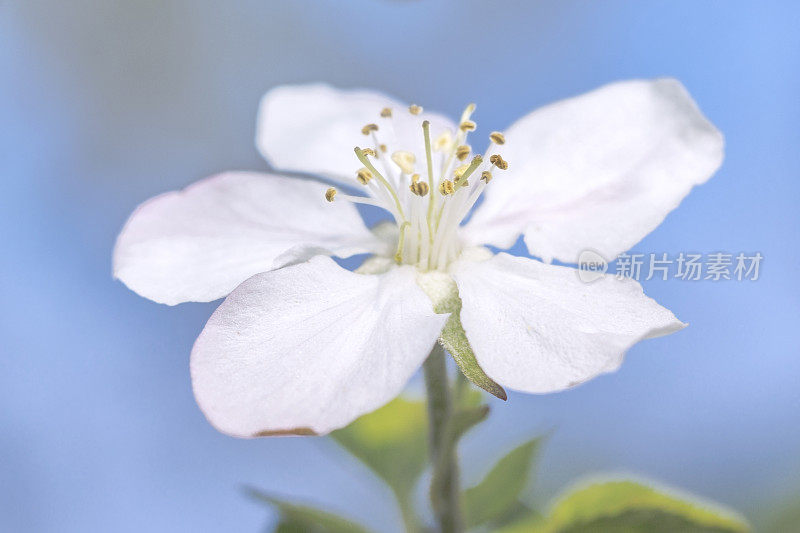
428	196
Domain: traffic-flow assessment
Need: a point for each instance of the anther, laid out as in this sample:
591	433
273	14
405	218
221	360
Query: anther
405	160
386	112
363	176
369	151
414	109
420	188
366	130
446	187
330	194
486	176
383	148
463	151
443	142
498	161
467	125
497	138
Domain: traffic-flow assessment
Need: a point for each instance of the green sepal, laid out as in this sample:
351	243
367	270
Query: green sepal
303	518
443	292
497	495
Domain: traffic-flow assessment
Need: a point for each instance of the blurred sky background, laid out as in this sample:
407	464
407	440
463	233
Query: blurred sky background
104	104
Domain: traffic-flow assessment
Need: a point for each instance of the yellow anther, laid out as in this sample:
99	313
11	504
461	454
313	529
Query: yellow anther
414	109
443	142
420	188
405	160
414	178
386	112
330	194
467	125
446	187
383	148
366	130
363	176
497	138
486	176
463	151
459	172
369	151
498	161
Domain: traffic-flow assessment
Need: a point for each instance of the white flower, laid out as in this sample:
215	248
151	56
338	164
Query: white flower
307	348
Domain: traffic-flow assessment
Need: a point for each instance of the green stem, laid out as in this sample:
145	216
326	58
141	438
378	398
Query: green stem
444	492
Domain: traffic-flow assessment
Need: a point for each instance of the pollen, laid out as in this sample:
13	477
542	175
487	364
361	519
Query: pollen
405	160
446	187
486	176
420	188
498	161
369	151
497	138
386	112
414	109
467	125
330	194
363	176
463	151
369	128
382	148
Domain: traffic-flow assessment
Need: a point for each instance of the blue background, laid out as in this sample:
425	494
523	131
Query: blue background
104	104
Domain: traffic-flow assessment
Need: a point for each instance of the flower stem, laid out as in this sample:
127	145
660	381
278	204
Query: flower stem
444	491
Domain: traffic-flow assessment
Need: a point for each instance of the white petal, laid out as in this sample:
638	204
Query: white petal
198	244
314	128
537	328
598	171
309	348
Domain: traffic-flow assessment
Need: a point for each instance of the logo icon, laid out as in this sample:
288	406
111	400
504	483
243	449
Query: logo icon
591	266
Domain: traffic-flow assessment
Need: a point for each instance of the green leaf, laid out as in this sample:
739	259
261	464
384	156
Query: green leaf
391	441
443	292
498	493
621	506
302	518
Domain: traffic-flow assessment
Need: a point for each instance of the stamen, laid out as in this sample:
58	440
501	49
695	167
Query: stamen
398	256
405	160
499	162
386	112
363	175
369	151
486	176
414	109
420	188
366	130
443	142
467	125
383	148
459	172
364	161
426	131
330	194
497	138
463	151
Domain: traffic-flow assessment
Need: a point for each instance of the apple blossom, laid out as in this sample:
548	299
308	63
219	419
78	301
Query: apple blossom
301	345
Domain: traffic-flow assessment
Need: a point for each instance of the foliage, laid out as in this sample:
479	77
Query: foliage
392	443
